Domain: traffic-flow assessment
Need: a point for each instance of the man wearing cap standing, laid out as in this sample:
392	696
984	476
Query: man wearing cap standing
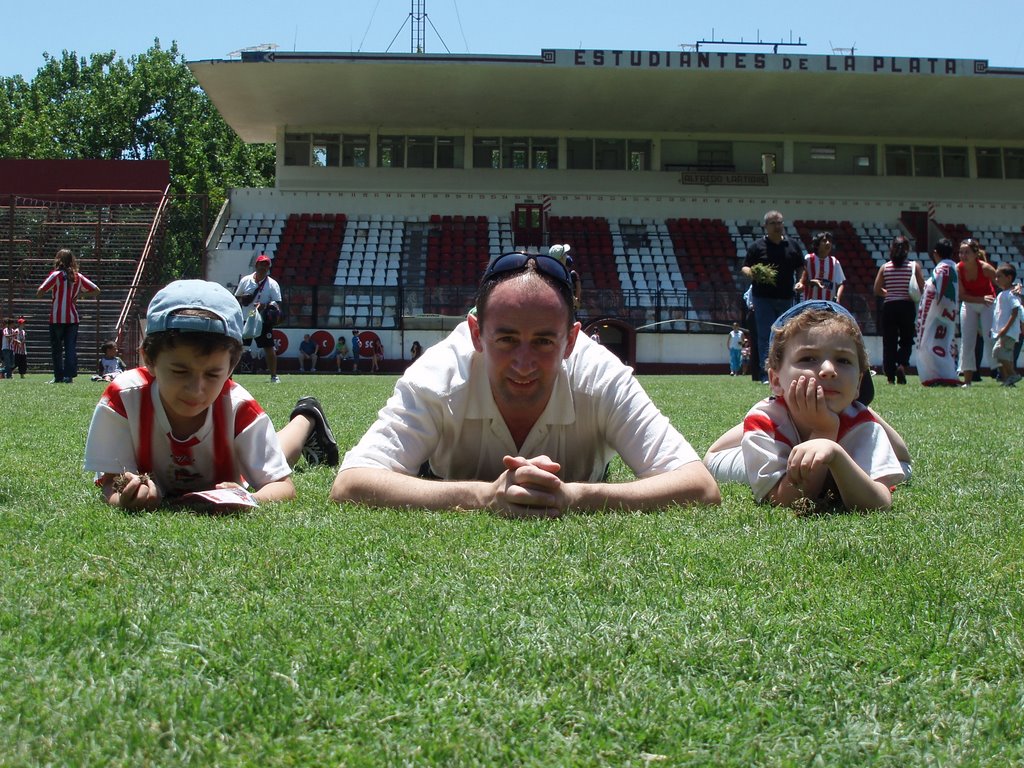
262	292
519	413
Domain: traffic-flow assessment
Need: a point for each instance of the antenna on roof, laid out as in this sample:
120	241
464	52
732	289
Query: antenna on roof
418	32
260	47
851	51
759	42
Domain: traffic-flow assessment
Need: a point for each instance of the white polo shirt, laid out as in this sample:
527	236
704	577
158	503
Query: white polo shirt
442	411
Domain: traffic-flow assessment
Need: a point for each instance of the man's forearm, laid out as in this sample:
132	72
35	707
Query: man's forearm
384	488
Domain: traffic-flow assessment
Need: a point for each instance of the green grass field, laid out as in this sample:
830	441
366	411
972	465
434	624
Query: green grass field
311	634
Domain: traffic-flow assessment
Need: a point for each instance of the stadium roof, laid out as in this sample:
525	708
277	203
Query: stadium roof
646	92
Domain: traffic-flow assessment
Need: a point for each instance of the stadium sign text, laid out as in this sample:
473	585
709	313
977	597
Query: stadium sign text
713	178
767	62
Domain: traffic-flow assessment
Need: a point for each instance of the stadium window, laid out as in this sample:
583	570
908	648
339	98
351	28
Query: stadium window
296	149
326	150
487	152
715	155
990	162
544	153
514	152
898	160
1014	163
954	162
355	151
926	161
419	152
639	152
579	154
610	154
391	151
450	151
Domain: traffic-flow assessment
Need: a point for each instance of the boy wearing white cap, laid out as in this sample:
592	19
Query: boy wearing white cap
180	424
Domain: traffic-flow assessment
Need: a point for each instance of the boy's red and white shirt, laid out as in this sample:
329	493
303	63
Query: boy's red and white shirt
828	270
769	435
130	432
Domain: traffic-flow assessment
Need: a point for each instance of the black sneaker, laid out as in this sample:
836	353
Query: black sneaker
320	447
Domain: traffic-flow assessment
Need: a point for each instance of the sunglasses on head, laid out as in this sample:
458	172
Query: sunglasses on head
517	262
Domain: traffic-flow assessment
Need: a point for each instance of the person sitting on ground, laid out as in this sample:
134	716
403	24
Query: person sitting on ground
180	424
518	412
377	356
341	352
1006	324
109	366
815	438
307	354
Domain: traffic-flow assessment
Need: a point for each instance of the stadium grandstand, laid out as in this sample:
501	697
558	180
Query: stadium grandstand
112	214
399	175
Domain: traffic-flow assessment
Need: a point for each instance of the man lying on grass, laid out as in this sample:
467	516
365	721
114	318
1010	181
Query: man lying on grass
815	441
519	413
180	424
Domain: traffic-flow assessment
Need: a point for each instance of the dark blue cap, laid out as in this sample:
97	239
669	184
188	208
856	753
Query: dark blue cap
867	387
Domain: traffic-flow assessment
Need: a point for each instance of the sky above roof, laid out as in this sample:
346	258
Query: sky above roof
204	30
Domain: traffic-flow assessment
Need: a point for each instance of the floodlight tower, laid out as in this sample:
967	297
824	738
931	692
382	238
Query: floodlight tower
418	14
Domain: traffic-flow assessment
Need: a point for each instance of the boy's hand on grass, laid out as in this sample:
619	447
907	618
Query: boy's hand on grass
811	414
807	459
134	491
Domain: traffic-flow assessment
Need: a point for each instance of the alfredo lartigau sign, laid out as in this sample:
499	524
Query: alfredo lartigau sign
769	62
727	178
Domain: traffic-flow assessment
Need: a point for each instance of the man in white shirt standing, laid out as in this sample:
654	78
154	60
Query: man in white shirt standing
261	292
519	413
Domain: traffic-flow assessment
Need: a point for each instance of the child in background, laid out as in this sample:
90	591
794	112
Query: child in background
340	352
109	366
180	424
19	348
355	351
745	356
814	438
823	276
735	347
7	353
1006	324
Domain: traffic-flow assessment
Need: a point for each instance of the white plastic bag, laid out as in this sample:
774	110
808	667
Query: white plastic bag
253	325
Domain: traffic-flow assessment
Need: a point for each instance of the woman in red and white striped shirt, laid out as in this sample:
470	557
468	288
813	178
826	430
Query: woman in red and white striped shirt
899	312
66	283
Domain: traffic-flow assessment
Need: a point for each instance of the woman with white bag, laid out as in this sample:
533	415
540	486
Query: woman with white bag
899	311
